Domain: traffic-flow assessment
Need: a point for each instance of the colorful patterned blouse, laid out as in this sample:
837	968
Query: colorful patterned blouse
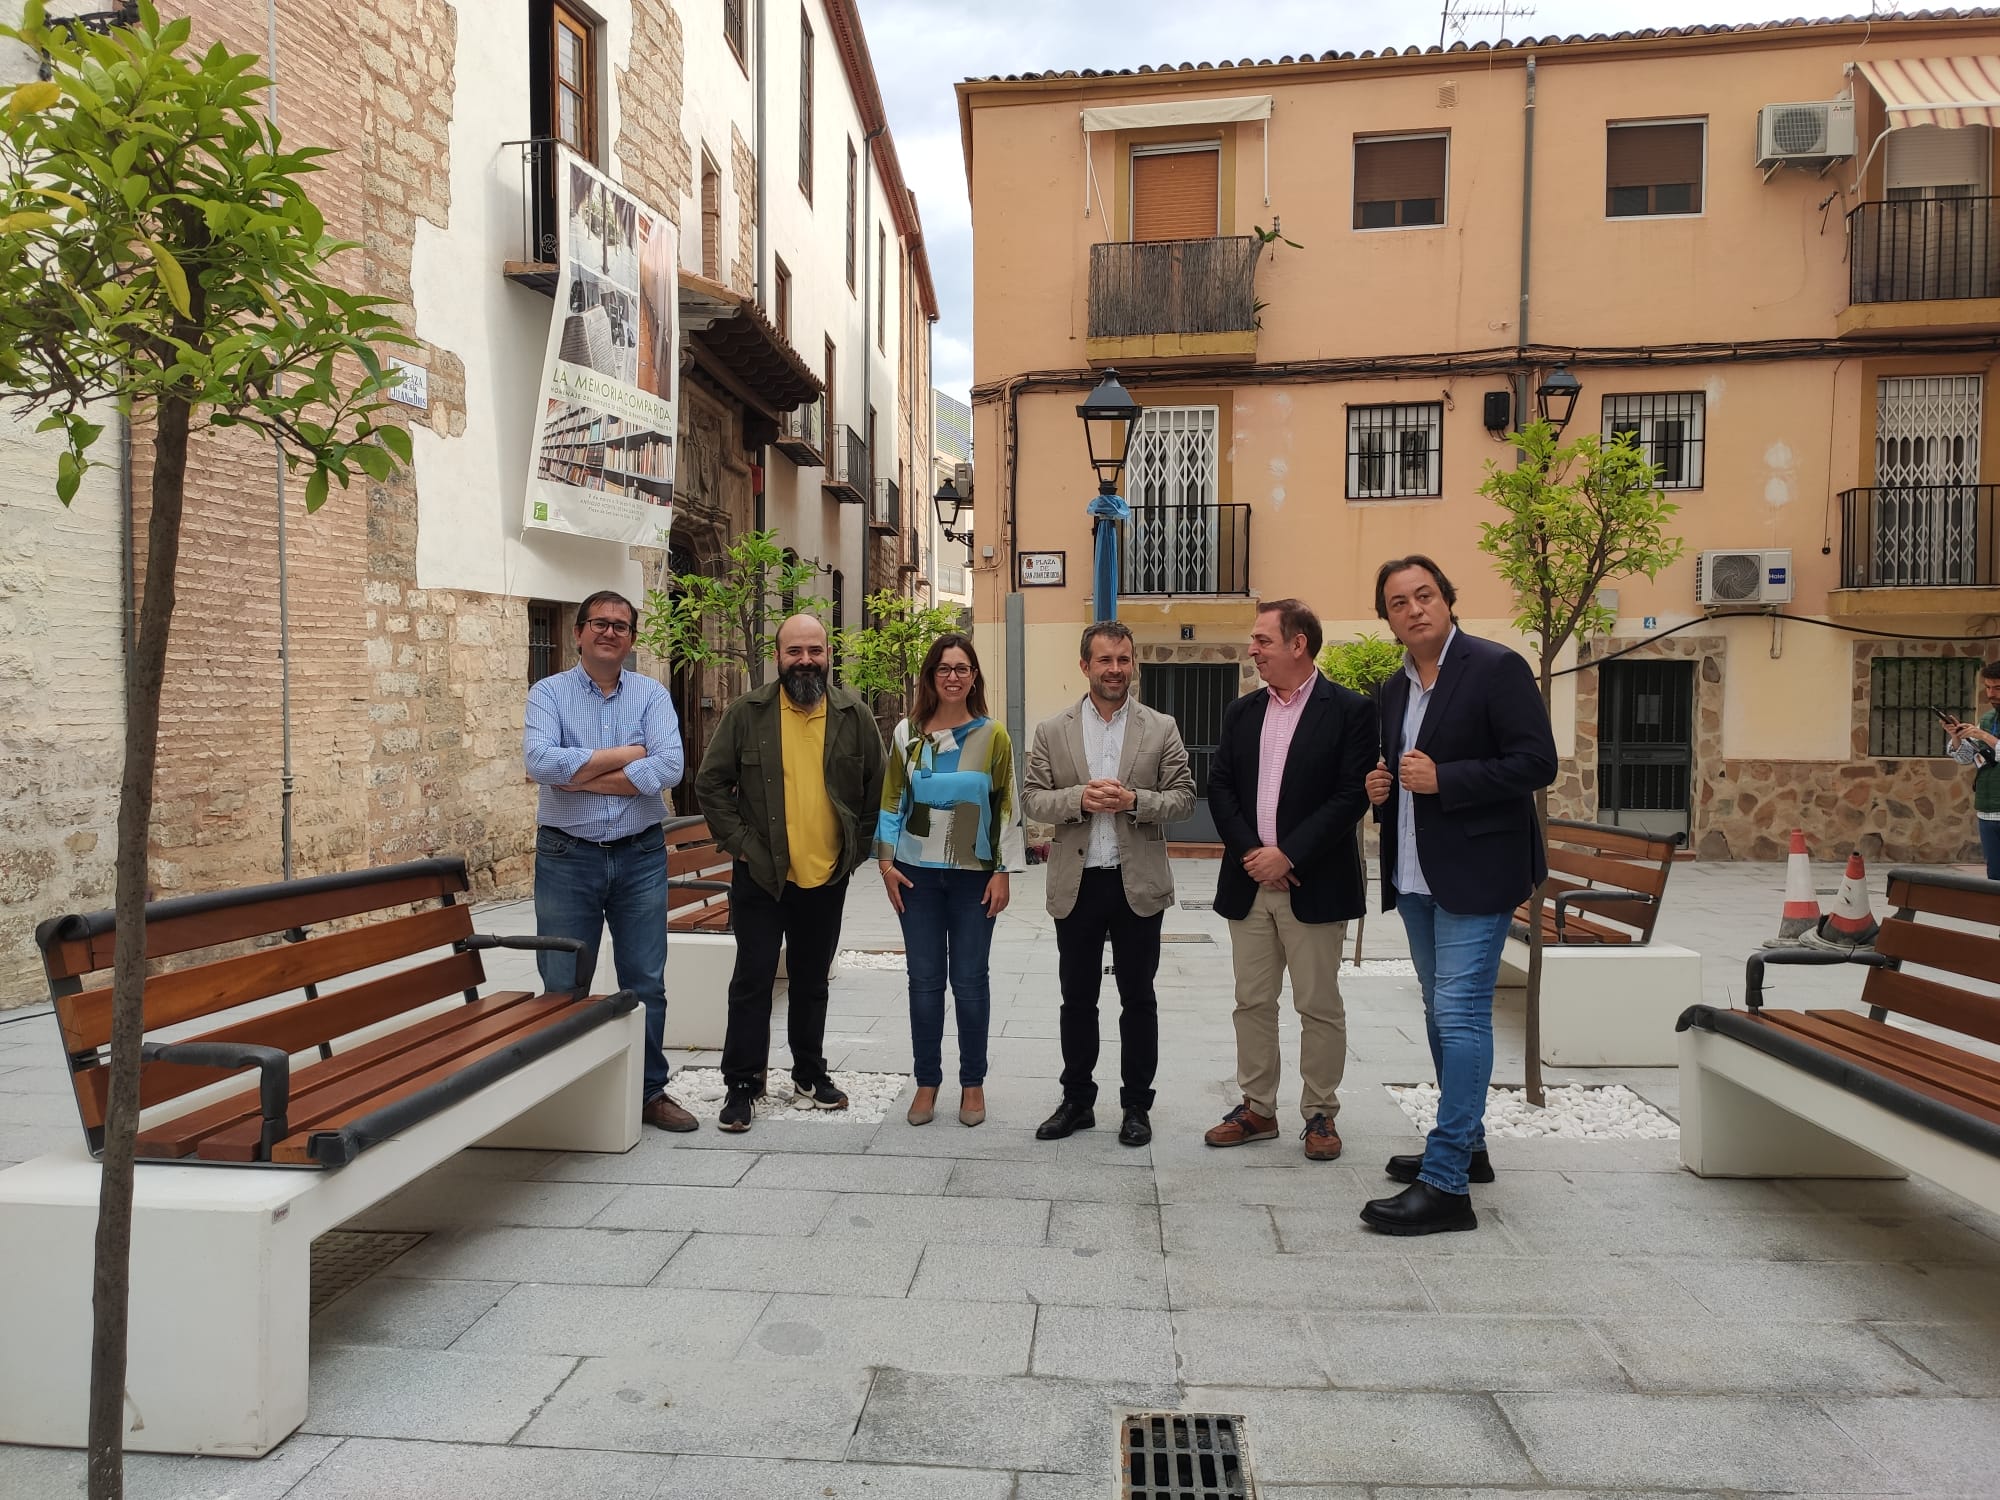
948	800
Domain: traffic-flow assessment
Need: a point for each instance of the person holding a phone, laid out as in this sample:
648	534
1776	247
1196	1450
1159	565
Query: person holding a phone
1979	745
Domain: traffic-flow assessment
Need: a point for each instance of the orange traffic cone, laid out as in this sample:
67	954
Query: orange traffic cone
1851	923
1801	913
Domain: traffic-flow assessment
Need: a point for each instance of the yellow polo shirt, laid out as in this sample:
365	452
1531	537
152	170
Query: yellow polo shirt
812	828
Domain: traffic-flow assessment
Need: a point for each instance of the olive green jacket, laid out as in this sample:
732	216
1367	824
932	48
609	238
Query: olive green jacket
742	782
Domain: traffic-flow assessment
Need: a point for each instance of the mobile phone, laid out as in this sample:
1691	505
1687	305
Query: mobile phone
1943	716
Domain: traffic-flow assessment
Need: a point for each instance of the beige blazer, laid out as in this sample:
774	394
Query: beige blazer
1154	765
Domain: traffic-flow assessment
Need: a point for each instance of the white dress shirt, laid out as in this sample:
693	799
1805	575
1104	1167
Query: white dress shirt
1103	749
1409	869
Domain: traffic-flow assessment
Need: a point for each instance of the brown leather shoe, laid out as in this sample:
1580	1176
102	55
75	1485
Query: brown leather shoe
1322	1140
663	1112
1242	1124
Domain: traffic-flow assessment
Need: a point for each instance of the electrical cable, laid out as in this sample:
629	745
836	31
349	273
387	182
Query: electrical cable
1884	635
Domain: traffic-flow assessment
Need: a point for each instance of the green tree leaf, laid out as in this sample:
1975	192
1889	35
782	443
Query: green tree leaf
172	277
33	98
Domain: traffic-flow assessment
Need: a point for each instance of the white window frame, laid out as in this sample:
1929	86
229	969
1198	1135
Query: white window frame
1395	454
1444	192
1213	145
1694	441
1700	213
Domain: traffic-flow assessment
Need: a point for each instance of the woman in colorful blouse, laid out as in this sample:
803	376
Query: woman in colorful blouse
948	835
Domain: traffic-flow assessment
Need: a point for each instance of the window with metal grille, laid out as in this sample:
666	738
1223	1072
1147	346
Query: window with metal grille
1653	168
732	29
1902	691
1395	450
805	106
544	641
1668	427
1399	181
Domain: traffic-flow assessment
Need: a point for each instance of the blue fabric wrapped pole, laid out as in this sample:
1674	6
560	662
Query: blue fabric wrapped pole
1106	512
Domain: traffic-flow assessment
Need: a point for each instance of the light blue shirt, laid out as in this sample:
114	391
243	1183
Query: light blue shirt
568	718
1410	869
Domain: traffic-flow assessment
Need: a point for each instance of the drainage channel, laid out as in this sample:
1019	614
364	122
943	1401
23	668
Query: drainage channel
1171	1455
344	1258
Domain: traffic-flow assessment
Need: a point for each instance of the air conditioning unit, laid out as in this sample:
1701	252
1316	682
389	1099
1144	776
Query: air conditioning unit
1805	134
1744	577
961	479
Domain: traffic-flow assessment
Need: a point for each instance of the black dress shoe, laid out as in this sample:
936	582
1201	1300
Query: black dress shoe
1420	1209
1405	1168
1137	1129
1071	1115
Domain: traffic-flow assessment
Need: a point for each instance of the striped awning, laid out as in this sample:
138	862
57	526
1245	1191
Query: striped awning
1946	91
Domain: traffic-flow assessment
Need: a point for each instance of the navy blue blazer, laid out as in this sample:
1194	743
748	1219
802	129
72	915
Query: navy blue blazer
1321	799
1476	835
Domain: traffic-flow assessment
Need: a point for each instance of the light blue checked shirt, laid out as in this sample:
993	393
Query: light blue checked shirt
568	718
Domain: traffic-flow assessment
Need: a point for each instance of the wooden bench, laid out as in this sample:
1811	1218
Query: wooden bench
701	946
1610	993
697	877
1838	1093
333	1097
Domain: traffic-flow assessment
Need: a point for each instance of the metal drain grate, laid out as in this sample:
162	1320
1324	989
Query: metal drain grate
1197	906
1169	1455
344	1258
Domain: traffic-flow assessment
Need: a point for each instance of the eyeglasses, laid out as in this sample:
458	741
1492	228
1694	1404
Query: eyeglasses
609	627
954	670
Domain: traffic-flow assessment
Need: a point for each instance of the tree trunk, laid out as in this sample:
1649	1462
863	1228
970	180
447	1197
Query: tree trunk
1531	1067
111	1282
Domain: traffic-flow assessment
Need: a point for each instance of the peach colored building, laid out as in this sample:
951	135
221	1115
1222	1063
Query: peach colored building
1771	251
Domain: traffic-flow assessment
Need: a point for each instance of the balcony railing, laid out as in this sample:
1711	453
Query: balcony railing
540	231
885	507
1919	536
802	433
1186	549
1173	286
1923	250
847	464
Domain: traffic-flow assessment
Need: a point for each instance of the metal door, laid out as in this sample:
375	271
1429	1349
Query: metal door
1645	745
1194	697
1927	477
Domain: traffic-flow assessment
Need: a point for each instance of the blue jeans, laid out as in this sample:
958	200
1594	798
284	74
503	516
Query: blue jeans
1989	845
946	933
580	887
1458	959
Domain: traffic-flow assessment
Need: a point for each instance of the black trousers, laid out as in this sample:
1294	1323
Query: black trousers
806	925
1101	912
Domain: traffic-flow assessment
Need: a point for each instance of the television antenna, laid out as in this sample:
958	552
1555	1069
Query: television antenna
1457	12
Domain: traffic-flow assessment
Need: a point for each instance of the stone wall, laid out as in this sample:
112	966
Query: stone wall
658	163
743	175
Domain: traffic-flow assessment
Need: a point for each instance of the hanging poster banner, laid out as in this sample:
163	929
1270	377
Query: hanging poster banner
603	458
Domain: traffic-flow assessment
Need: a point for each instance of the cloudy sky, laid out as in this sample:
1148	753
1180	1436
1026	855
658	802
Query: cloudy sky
922	47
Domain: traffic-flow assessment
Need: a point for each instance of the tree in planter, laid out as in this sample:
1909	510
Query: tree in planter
1572	519
725	621
1362	665
885	657
158	251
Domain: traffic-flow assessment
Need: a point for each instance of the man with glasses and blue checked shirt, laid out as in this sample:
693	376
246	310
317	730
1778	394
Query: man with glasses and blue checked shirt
605	744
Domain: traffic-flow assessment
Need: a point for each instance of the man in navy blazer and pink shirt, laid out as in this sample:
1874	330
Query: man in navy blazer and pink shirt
1466	744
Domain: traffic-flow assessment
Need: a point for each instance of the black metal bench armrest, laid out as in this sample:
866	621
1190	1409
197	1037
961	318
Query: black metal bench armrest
1579	898
683	883
1753	971
274	1077
482	940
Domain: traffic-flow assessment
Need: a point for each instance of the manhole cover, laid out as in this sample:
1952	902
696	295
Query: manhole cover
1170	1455
344	1258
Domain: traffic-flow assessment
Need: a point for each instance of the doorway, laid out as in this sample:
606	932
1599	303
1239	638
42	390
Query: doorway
1194	698
1645	746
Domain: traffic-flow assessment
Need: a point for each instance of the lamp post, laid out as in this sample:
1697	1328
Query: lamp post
1555	398
950	504
1109	415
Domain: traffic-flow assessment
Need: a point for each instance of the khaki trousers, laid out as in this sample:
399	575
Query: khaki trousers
1263	946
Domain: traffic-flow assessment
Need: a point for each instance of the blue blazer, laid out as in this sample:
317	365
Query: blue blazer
1476	835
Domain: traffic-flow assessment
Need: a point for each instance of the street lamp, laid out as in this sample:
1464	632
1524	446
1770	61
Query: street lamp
1555	398
950	503
1109	414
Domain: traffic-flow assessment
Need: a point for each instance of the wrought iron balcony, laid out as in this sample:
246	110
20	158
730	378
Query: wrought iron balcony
1923	250
1919	536
541	236
802	433
1143	287
885	508
1186	549
847	472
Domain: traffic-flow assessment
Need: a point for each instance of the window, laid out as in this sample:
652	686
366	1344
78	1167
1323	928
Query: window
853	197
805	106
781	303
839	612
1176	192
831	408
1902	690
1669	429
732	30
711	219
1395	450
573	81
1399	181
881	289
1653	169
544	640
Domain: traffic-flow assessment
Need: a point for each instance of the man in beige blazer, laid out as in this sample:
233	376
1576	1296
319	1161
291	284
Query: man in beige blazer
1109	774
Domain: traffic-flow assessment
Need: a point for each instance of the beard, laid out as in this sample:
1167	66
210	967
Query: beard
804	684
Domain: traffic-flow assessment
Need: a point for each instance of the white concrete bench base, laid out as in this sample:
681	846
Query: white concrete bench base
1611	1005
1747	1114
698	968
221	1257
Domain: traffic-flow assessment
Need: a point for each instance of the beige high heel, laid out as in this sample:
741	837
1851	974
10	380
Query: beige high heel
970	1113
923	1109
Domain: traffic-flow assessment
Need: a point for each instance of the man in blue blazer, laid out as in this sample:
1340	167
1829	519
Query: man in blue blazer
1466	746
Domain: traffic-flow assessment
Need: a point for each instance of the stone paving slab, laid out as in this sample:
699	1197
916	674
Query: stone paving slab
1949	1446
655	1160
965	1338
430	1394
380	1469
406	1313
1453	1353
765	1263
1964	1356
1670	1355
1104	1343
1369	1437
849	1174
680	1406
1377	1280
1105	1226
908	1219
714	1210
476	1202
966	1421
58	1473
620	1257
1554	1284
616	1320
1007	1179
1075	1276
696	1478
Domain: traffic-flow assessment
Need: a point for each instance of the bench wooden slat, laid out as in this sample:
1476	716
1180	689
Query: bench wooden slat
180	1135
1969	953
443	1059
1610	839
294	1029
1938	1080
1987	1068
1614	874
1929	1000
1943	900
188	994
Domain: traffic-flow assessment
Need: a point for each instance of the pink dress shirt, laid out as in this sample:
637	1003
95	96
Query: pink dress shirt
1281	721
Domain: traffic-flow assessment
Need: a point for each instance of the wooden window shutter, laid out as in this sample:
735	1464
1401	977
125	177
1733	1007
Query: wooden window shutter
1385	171
1648	155
1175	195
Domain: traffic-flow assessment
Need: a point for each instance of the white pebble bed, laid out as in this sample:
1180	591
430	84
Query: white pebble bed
1576	1112
869	1095
862	958
1398	968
